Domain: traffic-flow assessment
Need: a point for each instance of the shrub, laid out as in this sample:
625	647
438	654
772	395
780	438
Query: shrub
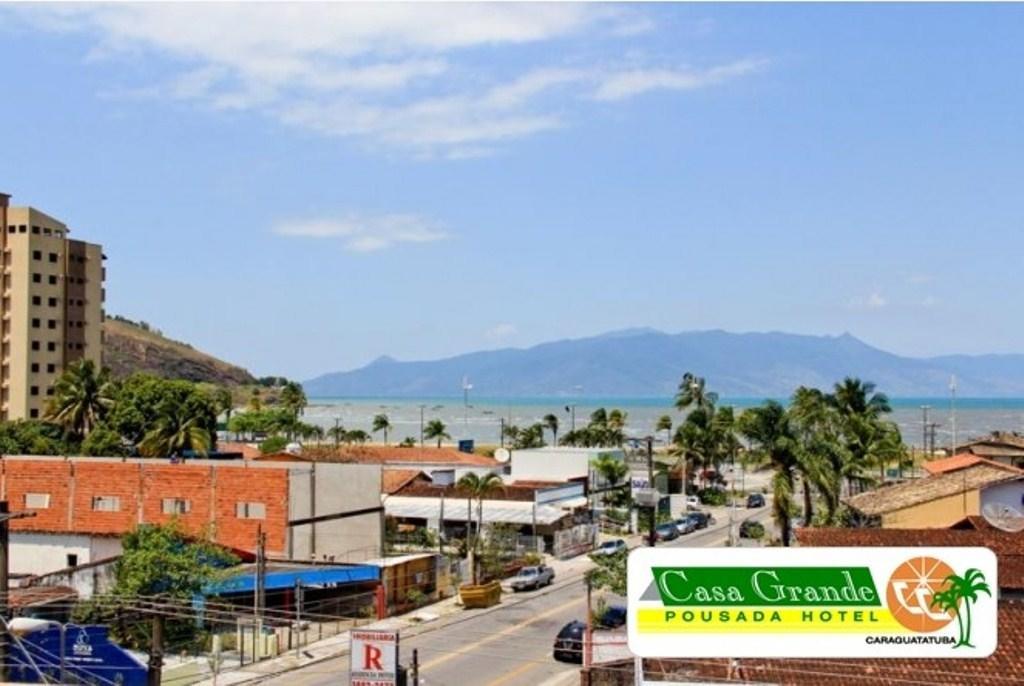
712	496
274	444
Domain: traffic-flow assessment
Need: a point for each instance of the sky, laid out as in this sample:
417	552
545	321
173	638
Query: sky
301	188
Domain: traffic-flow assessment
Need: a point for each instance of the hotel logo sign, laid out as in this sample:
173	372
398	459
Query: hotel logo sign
812	602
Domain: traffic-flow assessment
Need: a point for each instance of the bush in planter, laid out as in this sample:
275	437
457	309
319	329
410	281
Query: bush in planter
713	497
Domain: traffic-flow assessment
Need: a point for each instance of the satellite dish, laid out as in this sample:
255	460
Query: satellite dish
1004	517
502	454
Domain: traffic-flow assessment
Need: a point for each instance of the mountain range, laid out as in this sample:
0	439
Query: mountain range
649	363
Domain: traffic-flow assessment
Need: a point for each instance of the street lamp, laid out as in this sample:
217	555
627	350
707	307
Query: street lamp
572	410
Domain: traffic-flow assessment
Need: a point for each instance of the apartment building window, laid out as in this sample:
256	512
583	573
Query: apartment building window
173	506
33	413
51	323
51	368
36	300
37	254
35	345
53	257
34	367
37	501
35	322
34	390
53	279
51	346
49	391
46	231
35	230
251	510
72	560
22	228
37	278
106	503
52	302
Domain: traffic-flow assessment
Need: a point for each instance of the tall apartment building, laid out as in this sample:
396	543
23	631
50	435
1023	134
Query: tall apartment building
52	307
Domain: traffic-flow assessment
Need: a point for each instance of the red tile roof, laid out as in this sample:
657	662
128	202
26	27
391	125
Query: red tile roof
1005	666
387	455
1009	547
962	461
392	480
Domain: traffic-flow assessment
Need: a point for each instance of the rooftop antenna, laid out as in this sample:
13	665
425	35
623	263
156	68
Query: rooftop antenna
1004	517
952	410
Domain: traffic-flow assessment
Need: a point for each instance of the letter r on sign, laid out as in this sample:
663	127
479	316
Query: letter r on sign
371	657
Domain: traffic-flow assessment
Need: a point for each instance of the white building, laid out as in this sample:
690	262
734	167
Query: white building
559	464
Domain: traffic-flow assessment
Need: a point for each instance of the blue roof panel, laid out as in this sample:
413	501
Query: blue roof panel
314	576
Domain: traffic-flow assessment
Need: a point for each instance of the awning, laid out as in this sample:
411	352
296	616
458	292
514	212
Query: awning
495	511
314	576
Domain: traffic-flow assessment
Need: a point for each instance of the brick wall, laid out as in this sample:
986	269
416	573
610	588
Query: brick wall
212	492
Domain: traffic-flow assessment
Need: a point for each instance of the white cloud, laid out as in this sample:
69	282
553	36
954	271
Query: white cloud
633	82
363	233
500	332
874	301
399	75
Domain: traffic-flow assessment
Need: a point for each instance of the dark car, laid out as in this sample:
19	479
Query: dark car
613	617
569	642
667	532
755	500
702	519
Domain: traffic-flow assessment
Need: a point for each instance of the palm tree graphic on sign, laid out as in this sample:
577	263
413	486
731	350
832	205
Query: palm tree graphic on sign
962	591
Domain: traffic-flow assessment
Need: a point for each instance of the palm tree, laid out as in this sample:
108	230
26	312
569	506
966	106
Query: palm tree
338	433
860	411
769	428
550	422
478	487
382	423
693	394
436	429
356	436
81	398
966	589
293	398
665	424
175	432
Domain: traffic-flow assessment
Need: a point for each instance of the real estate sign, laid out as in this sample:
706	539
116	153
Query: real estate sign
373	658
812	602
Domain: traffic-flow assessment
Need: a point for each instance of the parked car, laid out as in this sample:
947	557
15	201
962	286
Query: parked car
755	500
611	547
667	532
685	525
569	642
751	529
692	502
614	617
533	577
703	519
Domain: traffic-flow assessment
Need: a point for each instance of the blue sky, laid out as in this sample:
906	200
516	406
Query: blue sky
302	188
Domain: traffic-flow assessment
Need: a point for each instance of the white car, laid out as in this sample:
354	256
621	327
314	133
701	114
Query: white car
692	502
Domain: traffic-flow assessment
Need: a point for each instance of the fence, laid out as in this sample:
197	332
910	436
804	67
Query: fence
575	541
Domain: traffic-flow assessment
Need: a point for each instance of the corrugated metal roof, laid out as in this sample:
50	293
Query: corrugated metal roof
495	511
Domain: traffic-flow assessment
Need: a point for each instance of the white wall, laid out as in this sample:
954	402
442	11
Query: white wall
338	488
1010	493
36	553
556	464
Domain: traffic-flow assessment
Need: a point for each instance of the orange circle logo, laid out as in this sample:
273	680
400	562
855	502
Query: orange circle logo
910	592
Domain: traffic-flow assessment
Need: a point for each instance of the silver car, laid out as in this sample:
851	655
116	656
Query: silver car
533	577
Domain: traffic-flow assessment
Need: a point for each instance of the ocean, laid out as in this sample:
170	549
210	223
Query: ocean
480	420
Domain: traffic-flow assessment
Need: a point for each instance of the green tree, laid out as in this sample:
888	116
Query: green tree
293	398
356	436
769	428
382	423
273	445
665	424
33	437
337	433
609	573
175	432
142	401
478	488
861	410
612	472
158	563
692	393
103	441
82	396
436	429
550	422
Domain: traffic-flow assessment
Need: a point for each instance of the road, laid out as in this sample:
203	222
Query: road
509	646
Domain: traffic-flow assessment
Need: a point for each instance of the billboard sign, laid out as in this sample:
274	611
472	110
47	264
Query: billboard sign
373	658
813	602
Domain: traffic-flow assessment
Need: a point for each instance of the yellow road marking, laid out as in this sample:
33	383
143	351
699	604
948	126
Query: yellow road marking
504	632
514	673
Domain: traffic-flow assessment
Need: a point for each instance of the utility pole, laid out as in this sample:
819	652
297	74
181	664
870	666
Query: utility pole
588	638
501	432
298	617
259	598
952	411
5	544
924	427
650	484
422	407
415	667
337	430
156	652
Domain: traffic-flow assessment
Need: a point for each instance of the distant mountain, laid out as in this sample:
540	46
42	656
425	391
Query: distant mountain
130	347
649	363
